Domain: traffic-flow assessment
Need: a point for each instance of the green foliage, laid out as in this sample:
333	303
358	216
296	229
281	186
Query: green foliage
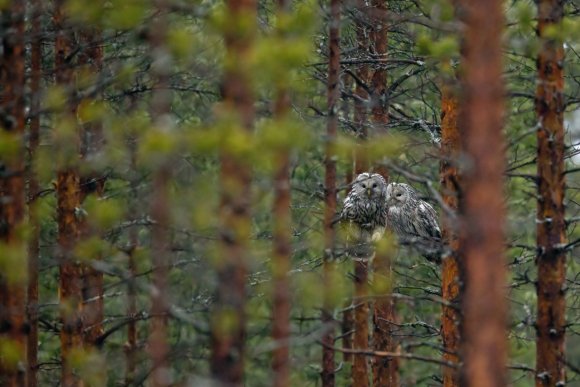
289	51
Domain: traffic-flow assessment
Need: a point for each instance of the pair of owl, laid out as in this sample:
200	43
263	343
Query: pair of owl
371	204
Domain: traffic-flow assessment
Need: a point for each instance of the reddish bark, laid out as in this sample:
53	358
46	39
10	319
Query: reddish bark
282	246
385	370
378	49
227	340
361	164
68	202
13	324
551	226
360	376
347	329
450	274
482	228
160	204
362	79
70	287
33	189
333	96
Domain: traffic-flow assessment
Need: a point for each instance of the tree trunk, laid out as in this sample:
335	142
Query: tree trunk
551	226
68	203
282	245
160	207
360	377
385	370
361	164
450	273
228	339
131	344
482	237
70	288
92	182
362	79
333	96
33	189
13	279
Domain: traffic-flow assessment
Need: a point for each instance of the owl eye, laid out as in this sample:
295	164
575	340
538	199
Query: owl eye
399	195
364	185
374	185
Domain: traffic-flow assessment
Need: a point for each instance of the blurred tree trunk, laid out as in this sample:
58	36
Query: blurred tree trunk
229	316
131	344
90	62
450	273
385	370
68	204
13	278
360	376
160	201
347	325
33	190
333	96
282	243
551	225
482	208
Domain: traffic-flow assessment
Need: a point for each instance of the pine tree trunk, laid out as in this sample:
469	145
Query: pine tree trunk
482	237
33	190
551	226
91	183
282	245
361	164
385	370
228	339
13	279
347	325
160	208
70	288
131	344
333	95
360	377
450	273
363	74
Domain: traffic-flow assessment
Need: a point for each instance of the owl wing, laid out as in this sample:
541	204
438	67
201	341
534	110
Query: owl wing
427	225
347	212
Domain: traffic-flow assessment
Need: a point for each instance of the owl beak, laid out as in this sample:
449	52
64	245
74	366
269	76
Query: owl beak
369	192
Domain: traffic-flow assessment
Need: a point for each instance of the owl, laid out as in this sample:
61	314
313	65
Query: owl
413	220
365	206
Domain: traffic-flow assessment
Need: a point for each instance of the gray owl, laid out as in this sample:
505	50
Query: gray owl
413	220
365	206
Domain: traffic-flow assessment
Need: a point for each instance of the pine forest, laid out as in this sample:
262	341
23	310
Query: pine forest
290	193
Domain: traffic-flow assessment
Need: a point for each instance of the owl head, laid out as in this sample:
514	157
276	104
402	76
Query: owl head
370	185
399	193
